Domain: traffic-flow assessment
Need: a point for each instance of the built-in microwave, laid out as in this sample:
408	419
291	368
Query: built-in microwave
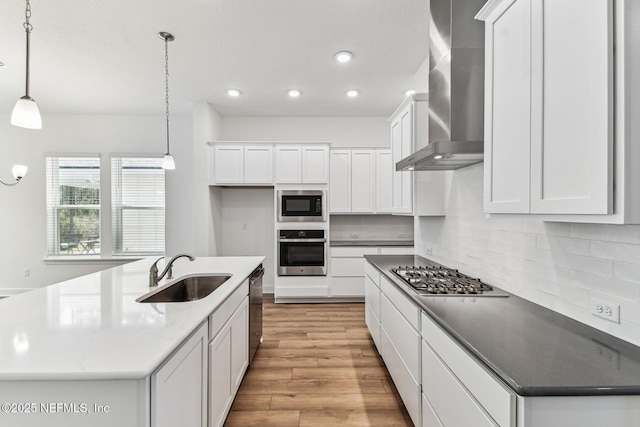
301	205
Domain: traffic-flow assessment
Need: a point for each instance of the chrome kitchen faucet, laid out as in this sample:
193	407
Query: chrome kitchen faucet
153	271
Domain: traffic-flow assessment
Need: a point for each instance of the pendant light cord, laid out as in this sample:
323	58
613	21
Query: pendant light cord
28	28
166	83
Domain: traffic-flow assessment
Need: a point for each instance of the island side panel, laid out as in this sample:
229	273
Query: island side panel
122	403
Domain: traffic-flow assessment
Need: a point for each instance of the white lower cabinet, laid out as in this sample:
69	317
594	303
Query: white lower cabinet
228	359
179	386
347	267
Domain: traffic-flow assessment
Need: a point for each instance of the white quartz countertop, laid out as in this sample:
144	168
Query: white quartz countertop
91	327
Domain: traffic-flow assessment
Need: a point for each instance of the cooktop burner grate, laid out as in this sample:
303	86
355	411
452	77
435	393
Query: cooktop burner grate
437	280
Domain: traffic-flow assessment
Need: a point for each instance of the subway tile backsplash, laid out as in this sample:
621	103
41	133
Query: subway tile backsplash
558	265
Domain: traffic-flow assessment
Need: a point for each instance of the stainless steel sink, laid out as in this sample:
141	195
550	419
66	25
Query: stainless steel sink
188	289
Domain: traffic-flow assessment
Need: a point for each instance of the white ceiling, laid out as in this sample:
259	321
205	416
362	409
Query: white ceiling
104	56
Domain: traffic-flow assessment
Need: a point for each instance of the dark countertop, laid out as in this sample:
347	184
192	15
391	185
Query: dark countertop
370	242
534	350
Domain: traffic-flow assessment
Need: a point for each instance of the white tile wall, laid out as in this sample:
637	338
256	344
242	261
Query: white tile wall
557	265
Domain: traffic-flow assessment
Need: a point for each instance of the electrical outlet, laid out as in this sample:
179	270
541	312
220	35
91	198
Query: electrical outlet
402	236
244	227
605	310
354	235
27	272
429	251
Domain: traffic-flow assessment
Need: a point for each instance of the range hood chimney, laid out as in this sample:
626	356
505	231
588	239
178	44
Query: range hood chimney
456	89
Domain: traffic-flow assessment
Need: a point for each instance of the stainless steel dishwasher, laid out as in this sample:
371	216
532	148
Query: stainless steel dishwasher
255	311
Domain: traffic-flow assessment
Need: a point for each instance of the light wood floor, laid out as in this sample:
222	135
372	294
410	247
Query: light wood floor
317	366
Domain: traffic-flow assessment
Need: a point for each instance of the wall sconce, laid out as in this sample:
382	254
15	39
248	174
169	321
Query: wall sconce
18	171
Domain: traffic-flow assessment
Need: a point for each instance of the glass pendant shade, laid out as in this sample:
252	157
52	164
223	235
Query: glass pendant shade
168	163
19	171
26	114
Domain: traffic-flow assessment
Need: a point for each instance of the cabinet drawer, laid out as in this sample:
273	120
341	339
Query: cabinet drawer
492	395
353	251
396	250
347	267
405	339
373	273
402	302
452	403
429	417
373	325
408	389
372	296
347	287
223	313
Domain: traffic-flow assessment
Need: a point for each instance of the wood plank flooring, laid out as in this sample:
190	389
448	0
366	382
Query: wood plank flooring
317	366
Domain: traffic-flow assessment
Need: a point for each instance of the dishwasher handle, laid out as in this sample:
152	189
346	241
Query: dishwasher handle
257	273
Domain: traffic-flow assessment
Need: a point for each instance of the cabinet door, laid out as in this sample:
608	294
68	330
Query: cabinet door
228	164
507	108
179	388
384	172
288	164
340	181
401	147
220	390
362	181
239	344
572	107
315	165
258	164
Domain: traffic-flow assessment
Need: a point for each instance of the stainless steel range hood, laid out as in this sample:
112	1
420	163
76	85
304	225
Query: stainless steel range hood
456	89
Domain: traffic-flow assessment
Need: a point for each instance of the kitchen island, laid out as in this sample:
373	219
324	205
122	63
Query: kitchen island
84	352
514	362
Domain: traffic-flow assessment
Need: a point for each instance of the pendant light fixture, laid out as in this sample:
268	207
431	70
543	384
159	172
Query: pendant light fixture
18	171
167	161
26	114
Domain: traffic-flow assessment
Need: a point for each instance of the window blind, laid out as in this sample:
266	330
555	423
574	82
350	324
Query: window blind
138	206
73	205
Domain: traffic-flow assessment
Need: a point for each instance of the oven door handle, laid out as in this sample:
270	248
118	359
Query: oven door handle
302	240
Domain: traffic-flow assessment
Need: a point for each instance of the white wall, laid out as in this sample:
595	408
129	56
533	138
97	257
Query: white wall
248	226
340	131
557	265
23	209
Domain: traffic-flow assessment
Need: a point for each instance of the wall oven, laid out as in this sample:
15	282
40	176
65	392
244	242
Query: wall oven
302	253
301	205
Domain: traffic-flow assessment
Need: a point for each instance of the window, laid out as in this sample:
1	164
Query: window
73	205
137	199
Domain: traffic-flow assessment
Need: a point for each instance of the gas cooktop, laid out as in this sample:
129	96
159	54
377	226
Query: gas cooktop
441	281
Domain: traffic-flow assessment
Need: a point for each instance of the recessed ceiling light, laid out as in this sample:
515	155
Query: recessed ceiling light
353	93
294	93
234	92
343	56
410	92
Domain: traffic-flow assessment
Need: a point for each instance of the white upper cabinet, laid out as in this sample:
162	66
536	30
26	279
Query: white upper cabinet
228	164
315	164
340	181
401	147
258	164
362	181
549	125
353	183
508	109
414	193
384	176
297	164
288	164
239	164
572	107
